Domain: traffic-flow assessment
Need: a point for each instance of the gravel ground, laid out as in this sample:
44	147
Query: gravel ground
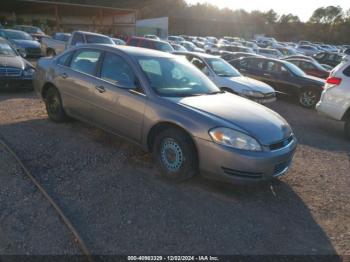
110	190
26	217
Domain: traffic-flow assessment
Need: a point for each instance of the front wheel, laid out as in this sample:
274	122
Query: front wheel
308	98
54	107
175	155
50	53
347	127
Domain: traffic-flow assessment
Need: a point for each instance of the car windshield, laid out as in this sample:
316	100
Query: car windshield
189	45
98	39
62	37
175	77
17	35
179	48
296	70
165	47
222	68
6	50
32	30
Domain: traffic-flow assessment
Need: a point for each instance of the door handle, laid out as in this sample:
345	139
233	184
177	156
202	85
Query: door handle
100	89
64	75
267	75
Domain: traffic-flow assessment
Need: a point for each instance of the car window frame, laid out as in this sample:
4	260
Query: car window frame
139	89
67	62
210	70
78	34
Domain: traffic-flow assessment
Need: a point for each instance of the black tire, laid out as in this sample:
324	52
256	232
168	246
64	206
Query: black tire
54	107
308	98
175	155
347	127
50	53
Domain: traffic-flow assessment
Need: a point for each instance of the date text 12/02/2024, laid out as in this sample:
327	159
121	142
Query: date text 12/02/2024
173	258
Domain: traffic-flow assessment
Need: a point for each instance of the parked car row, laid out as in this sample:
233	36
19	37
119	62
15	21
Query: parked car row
196	112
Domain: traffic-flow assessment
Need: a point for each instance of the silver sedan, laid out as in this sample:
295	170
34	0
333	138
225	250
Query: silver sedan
169	107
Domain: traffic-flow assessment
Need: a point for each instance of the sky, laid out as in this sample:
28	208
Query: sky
302	8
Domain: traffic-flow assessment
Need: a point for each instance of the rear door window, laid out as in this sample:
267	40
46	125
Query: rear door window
133	42
77	39
86	61
271	67
320	55
307	66
146	44
200	65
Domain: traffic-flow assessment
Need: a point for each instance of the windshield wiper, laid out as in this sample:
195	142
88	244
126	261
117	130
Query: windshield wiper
225	75
216	92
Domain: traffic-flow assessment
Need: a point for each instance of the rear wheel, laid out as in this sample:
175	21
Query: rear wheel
347	127
54	106
308	98
175	155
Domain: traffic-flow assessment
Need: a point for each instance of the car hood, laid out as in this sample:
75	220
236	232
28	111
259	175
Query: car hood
242	82
200	50
26	43
12	61
233	111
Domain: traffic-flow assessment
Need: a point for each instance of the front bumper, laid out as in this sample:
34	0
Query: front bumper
332	105
231	165
16	83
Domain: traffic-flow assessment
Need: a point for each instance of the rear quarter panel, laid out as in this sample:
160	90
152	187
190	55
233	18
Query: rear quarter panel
40	75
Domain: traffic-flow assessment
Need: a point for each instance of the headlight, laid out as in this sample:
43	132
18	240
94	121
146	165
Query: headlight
29	71
232	138
252	93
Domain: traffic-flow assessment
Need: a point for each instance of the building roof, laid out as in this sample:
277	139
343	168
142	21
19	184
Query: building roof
66	7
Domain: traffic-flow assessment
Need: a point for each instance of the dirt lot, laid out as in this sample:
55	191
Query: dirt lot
111	192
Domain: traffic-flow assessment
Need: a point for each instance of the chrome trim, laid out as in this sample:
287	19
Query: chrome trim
283	172
291	142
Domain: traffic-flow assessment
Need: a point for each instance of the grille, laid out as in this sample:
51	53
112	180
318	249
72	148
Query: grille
281	144
10	71
242	174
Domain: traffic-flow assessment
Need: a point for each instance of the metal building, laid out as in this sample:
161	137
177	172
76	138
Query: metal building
69	16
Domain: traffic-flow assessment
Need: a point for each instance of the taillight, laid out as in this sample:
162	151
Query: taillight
333	80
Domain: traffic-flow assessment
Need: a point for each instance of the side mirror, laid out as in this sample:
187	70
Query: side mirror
79	43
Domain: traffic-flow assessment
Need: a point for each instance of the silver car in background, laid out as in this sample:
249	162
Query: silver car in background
169	107
228	79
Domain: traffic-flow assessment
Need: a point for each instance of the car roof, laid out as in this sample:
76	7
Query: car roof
299	59
148	39
202	55
89	33
29	26
266	59
266	49
129	50
3	40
